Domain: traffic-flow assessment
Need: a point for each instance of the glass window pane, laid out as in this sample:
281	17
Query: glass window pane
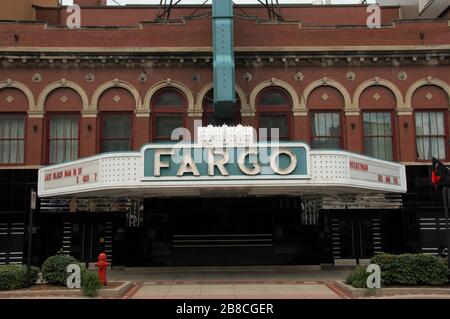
430	135
5	151
419	126
63	144
326	130
21	151
426	123
441	148
116	132
169	98
165	124
378	135
440	124
12	132
274	122
273	97
433	124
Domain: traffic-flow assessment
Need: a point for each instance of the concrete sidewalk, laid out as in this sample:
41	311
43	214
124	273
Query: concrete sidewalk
270	282
227	275
236	291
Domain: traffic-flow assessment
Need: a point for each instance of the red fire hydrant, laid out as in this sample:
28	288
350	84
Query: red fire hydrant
101	265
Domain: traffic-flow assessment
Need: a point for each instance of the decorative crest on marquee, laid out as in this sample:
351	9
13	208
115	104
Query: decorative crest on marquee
220	136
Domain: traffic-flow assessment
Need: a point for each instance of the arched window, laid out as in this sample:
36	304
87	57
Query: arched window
116	131
208	111
13	110
169	112
116	107
62	113
274	110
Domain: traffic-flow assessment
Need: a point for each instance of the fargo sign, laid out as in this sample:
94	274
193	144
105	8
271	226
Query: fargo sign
201	169
191	162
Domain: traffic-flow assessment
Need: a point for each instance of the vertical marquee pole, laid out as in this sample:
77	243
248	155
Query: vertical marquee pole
223	59
33	199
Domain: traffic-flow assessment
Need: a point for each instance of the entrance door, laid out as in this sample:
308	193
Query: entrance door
223	232
88	240
355	236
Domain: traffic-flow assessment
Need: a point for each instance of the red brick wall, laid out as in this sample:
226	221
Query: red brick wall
125	100
377	97
197	33
63	100
325	98
13	100
430	97
307	15
142	127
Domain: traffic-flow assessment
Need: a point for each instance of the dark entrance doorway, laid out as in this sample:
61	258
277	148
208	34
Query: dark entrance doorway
85	236
223	231
360	234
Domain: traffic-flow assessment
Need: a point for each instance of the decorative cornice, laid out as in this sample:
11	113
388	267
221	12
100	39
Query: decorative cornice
298	56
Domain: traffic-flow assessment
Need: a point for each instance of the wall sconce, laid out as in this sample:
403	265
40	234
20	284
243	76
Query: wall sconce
196	77
353	125
35	128
405	125
89	127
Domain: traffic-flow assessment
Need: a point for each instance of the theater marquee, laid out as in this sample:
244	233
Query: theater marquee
196	170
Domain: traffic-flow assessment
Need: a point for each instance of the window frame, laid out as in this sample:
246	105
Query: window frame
445	123
265	110
393	129
166	111
341	125
25	124
101	129
48	120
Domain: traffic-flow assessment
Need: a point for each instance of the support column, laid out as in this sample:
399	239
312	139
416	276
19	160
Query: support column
34	146
141	131
88	136
406	137
353	132
300	127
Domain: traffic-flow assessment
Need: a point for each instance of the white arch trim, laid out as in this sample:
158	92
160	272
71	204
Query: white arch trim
427	81
279	83
63	83
167	84
205	89
112	84
380	82
327	82
22	87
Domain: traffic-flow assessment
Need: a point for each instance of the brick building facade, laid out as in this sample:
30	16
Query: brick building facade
320	75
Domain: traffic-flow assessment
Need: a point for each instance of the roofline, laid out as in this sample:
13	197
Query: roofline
283	5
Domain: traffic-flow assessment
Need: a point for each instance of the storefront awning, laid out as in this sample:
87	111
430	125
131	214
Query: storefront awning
174	170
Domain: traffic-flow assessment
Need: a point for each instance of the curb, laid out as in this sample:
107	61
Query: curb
337	290
132	291
103	292
364	292
116	292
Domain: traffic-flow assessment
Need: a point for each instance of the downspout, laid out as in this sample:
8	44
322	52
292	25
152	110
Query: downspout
223	60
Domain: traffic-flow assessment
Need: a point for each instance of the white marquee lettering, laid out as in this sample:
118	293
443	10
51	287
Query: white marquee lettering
188	166
158	163
213	161
274	159
255	170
